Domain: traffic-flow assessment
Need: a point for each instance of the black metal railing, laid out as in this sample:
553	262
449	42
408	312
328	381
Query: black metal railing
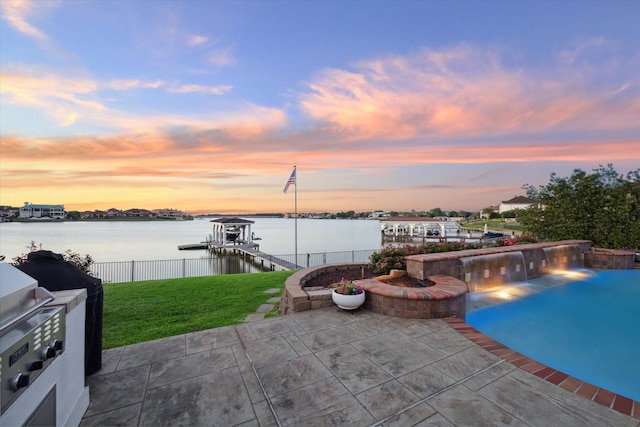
230	263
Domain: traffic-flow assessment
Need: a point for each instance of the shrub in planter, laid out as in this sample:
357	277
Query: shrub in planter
393	258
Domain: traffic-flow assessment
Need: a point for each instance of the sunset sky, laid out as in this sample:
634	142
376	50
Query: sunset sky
205	106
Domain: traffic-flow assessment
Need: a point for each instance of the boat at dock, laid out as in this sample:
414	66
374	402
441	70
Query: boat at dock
193	246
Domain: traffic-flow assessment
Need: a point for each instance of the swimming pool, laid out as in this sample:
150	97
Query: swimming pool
586	328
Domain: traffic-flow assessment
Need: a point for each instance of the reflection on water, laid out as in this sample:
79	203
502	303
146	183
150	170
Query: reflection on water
516	290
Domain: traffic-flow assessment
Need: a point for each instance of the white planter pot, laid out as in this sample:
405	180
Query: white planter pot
347	302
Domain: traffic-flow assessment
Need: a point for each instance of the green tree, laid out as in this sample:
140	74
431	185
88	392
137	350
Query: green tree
436	212
74	215
603	207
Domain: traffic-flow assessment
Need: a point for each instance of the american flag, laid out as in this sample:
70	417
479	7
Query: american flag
292	180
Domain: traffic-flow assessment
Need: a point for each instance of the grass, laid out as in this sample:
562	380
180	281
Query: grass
143	311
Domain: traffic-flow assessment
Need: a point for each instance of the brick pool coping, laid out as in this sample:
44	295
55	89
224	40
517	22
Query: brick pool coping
445	298
589	391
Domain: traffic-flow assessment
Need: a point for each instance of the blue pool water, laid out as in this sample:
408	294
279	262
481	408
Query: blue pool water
588	328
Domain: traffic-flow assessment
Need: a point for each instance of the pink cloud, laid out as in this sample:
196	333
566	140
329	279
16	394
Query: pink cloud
16	11
463	91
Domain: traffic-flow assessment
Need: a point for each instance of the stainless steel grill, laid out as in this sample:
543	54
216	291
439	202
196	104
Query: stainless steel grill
31	335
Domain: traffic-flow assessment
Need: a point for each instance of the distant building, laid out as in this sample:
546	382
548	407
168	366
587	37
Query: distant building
487	212
418	226
518	202
170	213
139	213
30	210
378	214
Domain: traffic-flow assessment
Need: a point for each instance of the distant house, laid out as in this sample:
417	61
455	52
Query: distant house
518	202
93	214
30	210
486	212
139	213
169	213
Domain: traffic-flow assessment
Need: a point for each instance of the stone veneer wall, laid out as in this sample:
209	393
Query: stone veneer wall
609	259
450	263
446	298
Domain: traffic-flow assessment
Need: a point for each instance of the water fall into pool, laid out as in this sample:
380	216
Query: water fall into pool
575	320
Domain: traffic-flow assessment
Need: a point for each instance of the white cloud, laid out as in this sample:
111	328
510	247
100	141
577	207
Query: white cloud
209	90
132	84
222	57
196	40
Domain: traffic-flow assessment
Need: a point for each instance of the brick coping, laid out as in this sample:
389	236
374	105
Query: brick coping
445	287
602	396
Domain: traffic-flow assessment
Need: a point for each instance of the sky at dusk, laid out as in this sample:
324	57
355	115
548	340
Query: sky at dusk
205	106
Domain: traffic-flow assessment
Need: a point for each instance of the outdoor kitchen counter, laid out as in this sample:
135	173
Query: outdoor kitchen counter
70	299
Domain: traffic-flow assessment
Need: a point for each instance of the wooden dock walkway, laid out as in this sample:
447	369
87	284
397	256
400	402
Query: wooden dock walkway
252	250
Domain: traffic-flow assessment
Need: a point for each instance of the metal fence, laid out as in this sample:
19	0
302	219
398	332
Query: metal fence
229	263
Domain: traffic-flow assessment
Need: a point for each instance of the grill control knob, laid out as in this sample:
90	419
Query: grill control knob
37	365
57	345
48	353
19	381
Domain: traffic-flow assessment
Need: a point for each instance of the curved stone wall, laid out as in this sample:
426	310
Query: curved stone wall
446	298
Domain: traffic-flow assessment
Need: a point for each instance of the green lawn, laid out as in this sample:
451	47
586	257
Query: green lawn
143	311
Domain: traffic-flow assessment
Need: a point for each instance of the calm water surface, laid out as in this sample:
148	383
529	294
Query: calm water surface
157	240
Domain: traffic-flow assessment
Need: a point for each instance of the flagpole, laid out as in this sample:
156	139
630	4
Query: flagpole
295	167
293	180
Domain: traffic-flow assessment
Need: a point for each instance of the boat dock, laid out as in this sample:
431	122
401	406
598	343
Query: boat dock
252	249
234	234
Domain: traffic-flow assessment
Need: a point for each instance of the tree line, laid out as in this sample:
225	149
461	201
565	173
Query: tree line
602	206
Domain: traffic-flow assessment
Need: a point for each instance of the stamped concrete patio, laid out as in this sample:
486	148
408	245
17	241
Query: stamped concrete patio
328	367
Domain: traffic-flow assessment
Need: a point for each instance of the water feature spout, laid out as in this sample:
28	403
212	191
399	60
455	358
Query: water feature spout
564	257
487	272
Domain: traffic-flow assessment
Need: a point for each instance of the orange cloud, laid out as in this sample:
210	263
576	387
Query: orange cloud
63	98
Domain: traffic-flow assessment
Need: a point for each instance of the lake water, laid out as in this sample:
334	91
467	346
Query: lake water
159	240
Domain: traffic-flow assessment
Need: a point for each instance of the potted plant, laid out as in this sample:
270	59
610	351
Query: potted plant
348	295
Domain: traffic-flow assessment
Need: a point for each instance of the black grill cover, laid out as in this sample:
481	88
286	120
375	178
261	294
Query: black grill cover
55	274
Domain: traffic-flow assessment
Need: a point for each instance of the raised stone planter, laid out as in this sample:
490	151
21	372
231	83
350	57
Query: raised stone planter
445	298
296	298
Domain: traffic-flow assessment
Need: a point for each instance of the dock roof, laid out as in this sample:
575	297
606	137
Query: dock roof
232	221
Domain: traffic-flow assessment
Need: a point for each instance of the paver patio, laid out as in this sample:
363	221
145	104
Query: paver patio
328	367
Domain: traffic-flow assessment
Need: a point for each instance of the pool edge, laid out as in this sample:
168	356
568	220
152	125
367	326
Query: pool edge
574	385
